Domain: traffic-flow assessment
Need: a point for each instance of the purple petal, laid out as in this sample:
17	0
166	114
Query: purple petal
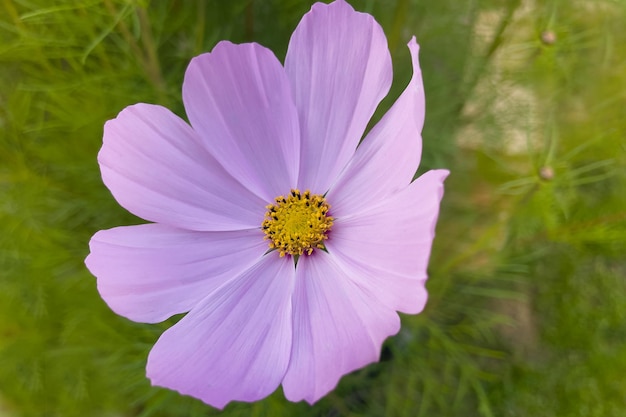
389	155
396	291
157	168
389	244
238	99
338	327
340	69
150	272
235	344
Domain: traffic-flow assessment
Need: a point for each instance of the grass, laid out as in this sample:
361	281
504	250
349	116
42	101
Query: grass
526	106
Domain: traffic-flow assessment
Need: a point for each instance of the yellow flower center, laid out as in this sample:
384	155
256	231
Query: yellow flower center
298	223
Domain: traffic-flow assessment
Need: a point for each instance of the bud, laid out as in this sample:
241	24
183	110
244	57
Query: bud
548	37
546	173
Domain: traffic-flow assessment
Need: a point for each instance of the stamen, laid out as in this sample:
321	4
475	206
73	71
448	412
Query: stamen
297	224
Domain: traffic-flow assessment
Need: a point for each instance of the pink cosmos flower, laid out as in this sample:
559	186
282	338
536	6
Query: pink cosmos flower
290	247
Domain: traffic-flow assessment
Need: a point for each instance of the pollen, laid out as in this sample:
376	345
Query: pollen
298	223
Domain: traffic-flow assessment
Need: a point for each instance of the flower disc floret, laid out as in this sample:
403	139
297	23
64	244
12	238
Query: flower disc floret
298	223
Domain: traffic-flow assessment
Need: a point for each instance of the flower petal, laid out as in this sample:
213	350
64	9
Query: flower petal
338	327
340	69
238	99
150	272
390	243
396	291
393	147
235	344
156	167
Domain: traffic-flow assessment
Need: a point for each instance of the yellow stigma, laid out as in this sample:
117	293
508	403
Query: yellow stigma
298	223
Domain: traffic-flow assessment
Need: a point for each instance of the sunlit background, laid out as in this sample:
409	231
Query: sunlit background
526	105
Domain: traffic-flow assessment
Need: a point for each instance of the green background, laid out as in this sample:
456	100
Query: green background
526	105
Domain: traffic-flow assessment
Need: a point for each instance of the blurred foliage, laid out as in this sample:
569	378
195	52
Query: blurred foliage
526	105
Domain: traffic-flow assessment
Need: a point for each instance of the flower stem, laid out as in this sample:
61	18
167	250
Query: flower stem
151	60
147	56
